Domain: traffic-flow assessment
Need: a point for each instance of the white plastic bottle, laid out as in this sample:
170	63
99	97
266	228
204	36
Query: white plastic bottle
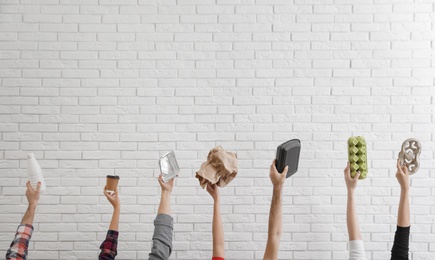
34	172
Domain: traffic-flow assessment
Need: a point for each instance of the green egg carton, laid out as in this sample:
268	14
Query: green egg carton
357	152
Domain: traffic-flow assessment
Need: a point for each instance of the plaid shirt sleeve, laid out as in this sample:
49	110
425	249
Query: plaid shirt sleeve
18	249
109	246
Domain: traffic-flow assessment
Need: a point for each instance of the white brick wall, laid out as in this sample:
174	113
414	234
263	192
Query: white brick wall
96	87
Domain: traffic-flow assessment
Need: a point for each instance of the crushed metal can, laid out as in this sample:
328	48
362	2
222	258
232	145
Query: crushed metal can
168	166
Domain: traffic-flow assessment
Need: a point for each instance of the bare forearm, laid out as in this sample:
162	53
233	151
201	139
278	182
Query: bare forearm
275	225
114	223
403	216
275	215
218	231
165	203
29	215
352	218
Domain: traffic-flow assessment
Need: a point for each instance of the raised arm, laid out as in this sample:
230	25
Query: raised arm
218	230
163	224
114	199
165	200
109	248
275	215
404	215
356	245
400	248
19	246
32	196
351	216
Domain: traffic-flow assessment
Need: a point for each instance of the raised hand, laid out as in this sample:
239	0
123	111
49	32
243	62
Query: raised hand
166	186
277	178
113	198
351	183
402	175
32	194
213	190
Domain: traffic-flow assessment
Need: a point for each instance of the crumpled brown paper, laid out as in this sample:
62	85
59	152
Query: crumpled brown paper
220	168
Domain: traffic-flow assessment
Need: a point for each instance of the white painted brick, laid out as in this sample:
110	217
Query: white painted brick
201	28
9	92
138	137
20	9
98	119
137	118
60	137
77	92
78	37
169	18
97	101
58	118
118	110
12	18
152	127
40	110
118	74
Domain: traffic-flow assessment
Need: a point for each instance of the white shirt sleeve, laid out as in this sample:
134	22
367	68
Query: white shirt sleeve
356	250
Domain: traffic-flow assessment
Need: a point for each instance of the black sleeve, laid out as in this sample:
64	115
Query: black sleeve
400	249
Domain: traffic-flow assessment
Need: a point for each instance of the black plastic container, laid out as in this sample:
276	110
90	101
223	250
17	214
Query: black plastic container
288	154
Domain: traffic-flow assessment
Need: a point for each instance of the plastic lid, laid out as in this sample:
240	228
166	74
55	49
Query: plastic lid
30	156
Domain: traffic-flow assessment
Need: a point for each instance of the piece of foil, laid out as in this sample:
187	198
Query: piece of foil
169	166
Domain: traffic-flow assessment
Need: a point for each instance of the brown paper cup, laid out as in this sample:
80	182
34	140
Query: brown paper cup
112	182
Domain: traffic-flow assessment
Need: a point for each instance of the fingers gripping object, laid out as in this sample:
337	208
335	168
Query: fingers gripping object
287	154
410	155
168	166
357	152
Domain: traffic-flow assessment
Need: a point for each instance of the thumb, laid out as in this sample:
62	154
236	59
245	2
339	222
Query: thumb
405	170
38	188
115	193
398	165
284	172
29	187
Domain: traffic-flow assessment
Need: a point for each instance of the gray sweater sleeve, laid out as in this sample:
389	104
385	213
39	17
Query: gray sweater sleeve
162	238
